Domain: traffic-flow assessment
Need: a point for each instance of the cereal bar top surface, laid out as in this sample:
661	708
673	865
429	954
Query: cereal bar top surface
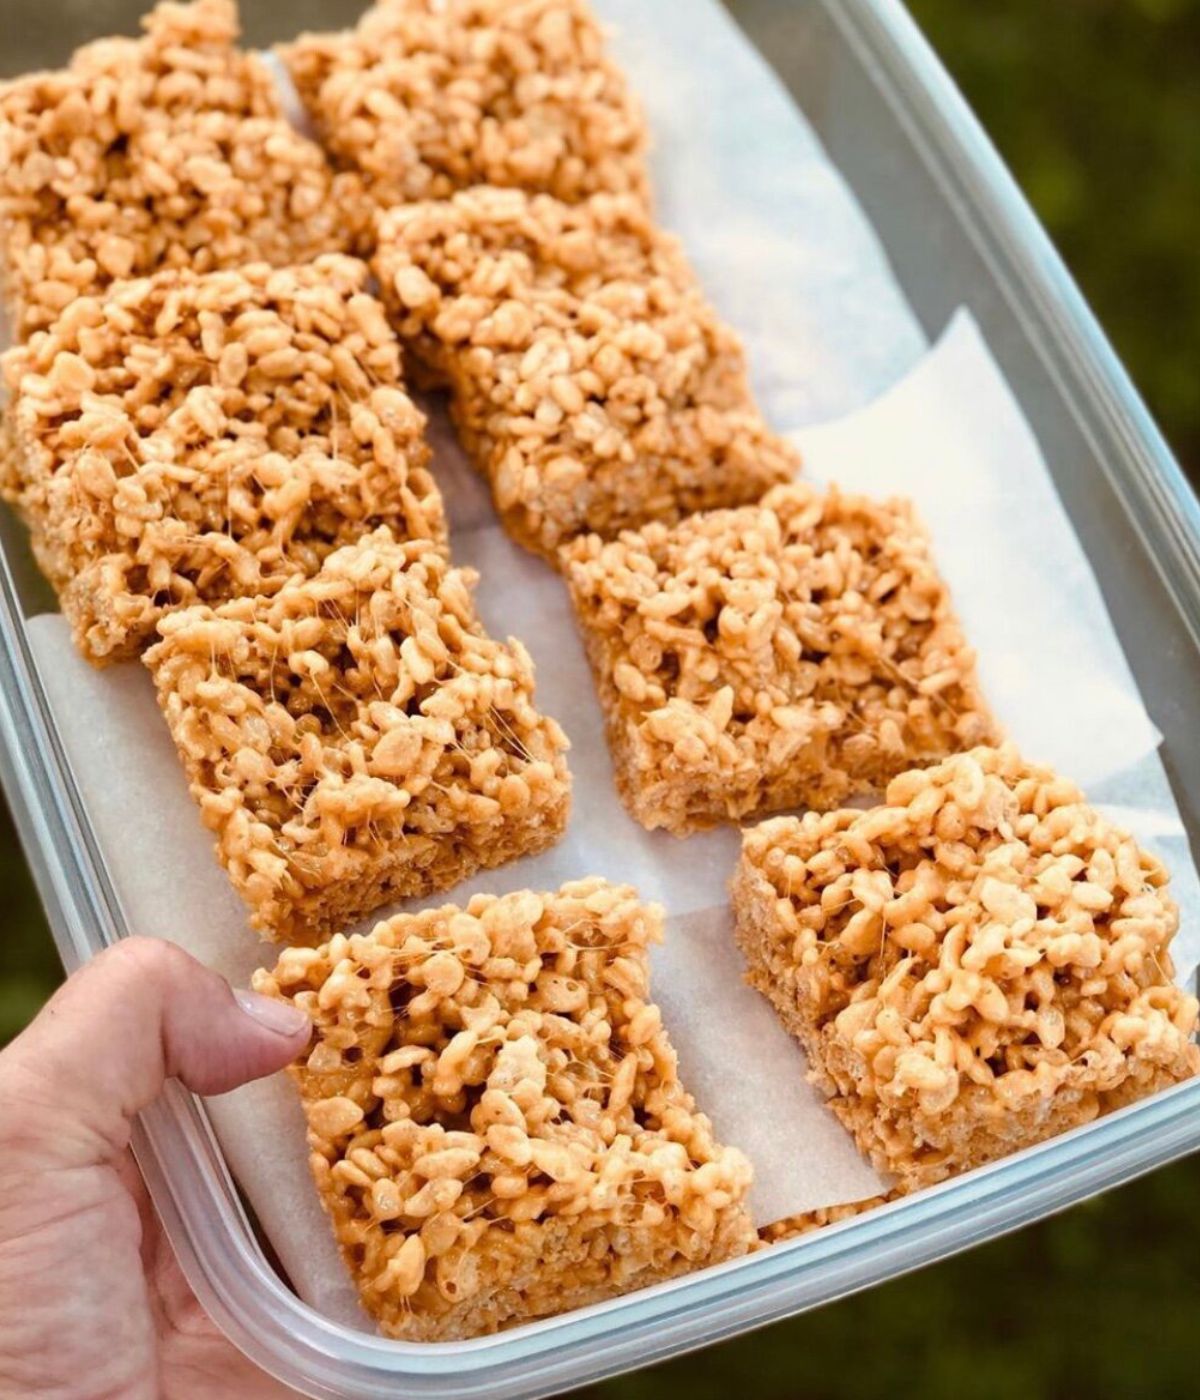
497	1124
186	60
985	936
425	97
213	434
487	244
169	150
358	717
789	653
591	379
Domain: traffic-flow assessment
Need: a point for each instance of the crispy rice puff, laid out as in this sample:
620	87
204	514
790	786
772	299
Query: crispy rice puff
786	654
591	382
358	738
793	1226
166	151
426	97
193	438
497	1125
975	966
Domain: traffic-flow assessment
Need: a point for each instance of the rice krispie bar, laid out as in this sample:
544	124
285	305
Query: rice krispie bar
975	966
191	438
497	1124
358	738
425	97
785	654
168	150
591	382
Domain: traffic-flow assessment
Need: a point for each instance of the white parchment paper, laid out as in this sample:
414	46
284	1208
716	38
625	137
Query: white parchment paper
789	258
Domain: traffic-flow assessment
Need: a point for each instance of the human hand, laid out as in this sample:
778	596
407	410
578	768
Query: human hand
93	1305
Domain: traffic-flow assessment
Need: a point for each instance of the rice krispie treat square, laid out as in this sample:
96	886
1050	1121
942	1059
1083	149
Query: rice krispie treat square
425	97
785	654
497	1123
358	738
975	966
591	382
168	150
192	438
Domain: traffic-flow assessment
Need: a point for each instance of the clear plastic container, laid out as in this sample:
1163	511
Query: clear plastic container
958	232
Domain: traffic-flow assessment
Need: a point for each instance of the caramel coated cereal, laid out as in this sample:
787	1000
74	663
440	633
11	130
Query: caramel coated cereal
358	738
497	1124
191	438
785	654
977	965
591	382
428	96
168	150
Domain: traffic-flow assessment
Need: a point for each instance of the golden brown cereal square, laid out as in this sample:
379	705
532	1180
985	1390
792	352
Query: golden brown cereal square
195	437
497	1126
425	97
976	965
785	654
358	738
170	150
590	380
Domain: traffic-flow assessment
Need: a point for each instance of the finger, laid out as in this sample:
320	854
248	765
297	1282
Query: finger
138	1014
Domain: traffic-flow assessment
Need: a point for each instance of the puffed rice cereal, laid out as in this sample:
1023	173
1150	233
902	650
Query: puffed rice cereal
428	96
497	1126
976	965
793	1226
358	738
591	382
170	150
191	438
785	654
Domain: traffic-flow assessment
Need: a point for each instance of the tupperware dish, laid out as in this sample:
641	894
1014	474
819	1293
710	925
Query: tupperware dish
327	370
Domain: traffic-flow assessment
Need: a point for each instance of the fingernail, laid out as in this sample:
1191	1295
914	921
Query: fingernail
279	1016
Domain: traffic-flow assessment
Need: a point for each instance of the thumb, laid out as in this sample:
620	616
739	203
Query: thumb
101	1049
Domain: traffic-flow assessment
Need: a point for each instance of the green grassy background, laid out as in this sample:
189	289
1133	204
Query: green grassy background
1096	106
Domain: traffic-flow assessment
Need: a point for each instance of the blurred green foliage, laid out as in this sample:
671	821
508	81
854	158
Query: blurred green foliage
1096	106
1101	1303
29	967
